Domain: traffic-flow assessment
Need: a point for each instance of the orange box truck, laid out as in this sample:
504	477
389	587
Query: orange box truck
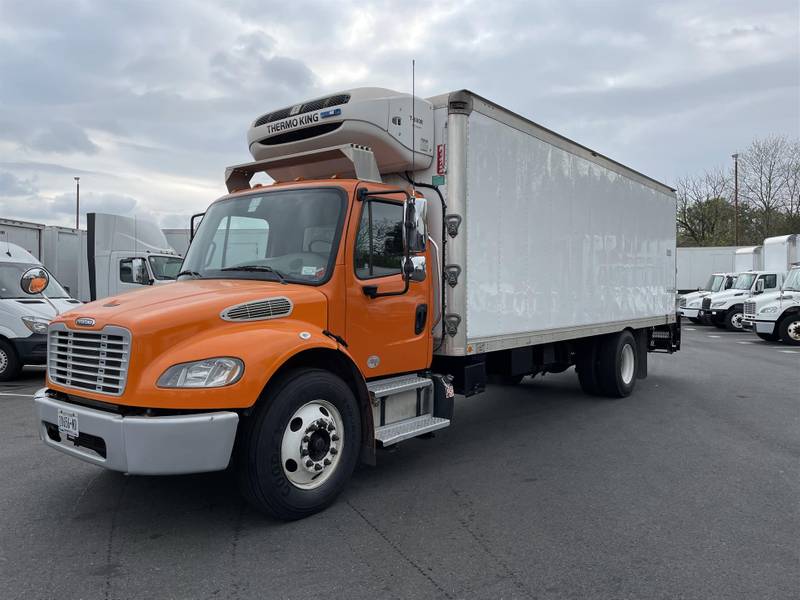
408	251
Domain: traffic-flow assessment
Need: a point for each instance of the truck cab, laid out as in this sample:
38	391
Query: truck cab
725	309
775	315
24	318
689	305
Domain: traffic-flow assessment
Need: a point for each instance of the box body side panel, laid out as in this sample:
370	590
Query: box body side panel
555	241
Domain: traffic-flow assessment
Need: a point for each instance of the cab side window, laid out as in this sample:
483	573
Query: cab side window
379	242
770	281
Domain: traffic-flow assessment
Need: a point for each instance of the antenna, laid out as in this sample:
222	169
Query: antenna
8	247
413	124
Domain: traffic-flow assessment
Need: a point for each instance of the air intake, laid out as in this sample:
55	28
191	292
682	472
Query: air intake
302	109
258	310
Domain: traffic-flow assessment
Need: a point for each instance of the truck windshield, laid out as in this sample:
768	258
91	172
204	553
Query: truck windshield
283	235
165	267
10	275
792	282
744	281
715	283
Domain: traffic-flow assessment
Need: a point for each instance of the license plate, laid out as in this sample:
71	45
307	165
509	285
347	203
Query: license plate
67	423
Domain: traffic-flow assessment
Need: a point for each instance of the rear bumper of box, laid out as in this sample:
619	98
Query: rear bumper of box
168	445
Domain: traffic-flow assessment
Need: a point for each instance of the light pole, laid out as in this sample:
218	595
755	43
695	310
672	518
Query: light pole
735	158
77	202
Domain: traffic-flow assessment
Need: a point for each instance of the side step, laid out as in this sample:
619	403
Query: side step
396	385
408	428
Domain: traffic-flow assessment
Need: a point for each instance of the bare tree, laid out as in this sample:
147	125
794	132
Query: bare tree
763	181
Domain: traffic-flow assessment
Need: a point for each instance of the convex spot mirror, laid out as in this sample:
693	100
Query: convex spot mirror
416	218
34	281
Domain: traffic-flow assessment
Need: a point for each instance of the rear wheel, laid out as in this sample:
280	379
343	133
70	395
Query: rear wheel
789	329
733	319
10	366
617	365
299	449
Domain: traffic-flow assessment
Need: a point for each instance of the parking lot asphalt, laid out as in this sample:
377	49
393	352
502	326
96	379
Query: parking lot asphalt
688	489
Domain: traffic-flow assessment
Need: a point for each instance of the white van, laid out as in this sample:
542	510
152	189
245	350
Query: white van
24	318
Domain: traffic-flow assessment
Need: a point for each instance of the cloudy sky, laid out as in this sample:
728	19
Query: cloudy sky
149	101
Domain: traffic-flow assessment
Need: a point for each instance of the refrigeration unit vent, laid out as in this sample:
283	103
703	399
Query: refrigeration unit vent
301	109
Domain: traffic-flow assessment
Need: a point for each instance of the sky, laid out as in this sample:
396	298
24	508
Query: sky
148	102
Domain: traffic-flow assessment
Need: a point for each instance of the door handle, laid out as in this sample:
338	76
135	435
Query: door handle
420	318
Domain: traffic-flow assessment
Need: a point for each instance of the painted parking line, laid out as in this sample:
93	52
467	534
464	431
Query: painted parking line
745	342
689	329
789	351
18	395
714	336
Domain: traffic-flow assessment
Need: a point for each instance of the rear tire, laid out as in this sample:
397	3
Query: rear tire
10	366
733	319
618	365
269	474
789	329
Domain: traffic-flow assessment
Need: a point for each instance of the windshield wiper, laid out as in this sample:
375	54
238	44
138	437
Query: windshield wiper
194	274
264	268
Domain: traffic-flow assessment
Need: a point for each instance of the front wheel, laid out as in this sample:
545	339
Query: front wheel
695	320
733	319
300	447
10	366
790	329
767	337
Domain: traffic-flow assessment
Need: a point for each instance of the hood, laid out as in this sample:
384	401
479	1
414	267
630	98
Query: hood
185	308
695	295
731	293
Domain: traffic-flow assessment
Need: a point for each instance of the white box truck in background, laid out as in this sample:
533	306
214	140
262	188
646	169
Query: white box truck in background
749	258
178	239
27	236
695	264
776	315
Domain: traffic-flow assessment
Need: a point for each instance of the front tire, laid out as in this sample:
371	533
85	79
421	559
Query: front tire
733	319
789	329
695	320
10	365
300	448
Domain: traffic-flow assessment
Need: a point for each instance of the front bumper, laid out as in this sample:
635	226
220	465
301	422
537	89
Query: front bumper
690	313
169	445
31	350
767	327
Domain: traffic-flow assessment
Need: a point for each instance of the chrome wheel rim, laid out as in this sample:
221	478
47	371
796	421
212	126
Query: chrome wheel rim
736	320
793	330
627	364
3	361
311	444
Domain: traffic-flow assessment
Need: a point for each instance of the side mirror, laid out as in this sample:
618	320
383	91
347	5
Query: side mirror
34	281
759	286
139	271
415	216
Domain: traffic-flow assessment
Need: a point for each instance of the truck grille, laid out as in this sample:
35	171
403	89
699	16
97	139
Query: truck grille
95	361
749	309
706	303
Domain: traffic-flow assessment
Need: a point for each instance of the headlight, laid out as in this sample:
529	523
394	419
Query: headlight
694	304
207	373
36	324
768	309
718	303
